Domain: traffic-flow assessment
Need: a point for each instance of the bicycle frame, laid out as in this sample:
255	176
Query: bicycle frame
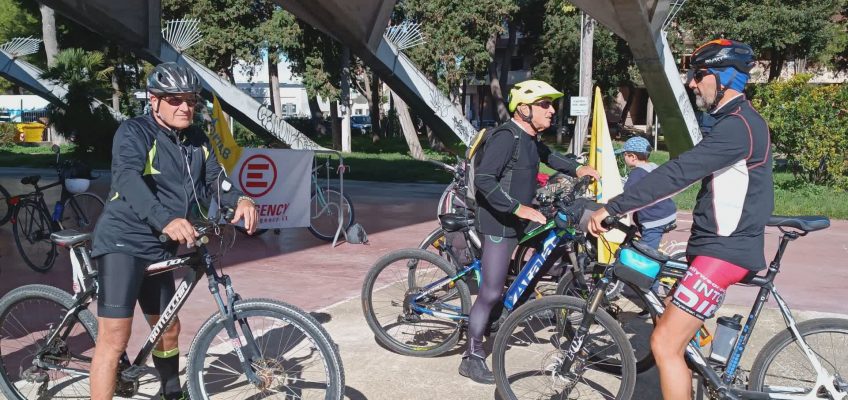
518	287
201	264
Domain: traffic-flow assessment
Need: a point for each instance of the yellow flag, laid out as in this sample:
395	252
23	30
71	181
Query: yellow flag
226	148
602	158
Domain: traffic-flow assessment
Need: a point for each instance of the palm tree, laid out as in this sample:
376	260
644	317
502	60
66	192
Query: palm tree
82	118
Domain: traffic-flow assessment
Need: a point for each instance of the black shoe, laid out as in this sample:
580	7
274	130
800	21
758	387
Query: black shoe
475	368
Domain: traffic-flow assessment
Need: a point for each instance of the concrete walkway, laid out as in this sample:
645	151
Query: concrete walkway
297	268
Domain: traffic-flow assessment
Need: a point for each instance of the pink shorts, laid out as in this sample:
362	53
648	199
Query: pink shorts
702	290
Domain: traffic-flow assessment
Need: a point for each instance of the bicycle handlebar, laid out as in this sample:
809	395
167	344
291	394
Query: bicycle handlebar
203	227
442	165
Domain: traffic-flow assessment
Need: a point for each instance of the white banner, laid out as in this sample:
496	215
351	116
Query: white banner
279	181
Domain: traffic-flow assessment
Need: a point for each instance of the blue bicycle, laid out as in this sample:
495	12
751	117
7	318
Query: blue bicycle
417	303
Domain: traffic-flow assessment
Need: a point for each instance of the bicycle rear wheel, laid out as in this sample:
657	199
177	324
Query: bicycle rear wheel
5	207
81	212
32	228
426	327
325	207
783	367
291	354
33	369
530	350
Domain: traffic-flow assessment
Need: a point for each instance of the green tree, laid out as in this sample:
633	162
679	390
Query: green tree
778	30
231	30
86	77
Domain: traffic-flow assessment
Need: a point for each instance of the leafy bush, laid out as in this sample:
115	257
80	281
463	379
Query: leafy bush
809	127
8	134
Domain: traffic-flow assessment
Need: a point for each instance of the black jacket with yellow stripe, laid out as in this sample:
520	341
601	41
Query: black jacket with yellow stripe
158	175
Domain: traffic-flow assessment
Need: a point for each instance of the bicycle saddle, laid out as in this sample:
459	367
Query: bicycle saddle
30	180
454	222
807	223
69	237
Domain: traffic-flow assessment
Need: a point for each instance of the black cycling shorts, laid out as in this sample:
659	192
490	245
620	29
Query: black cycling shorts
121	282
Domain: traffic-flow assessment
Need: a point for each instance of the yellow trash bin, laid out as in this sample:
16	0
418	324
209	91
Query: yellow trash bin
32	131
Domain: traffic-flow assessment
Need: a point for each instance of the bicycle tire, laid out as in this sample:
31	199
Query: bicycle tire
404	283
40	320
323	225
792	368
550	309
301	326
5	206
82	211
636	326
31	228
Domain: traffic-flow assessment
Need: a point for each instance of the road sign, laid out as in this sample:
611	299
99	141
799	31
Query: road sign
579	106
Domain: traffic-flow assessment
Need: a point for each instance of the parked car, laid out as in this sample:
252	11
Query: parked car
360	123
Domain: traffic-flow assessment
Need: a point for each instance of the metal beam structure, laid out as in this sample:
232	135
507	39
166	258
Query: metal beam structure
28	76
640	23
360	24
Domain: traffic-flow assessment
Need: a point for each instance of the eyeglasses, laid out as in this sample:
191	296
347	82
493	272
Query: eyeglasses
175	101
544	104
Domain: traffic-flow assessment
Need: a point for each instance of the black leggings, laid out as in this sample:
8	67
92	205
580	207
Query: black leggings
497	252
121	282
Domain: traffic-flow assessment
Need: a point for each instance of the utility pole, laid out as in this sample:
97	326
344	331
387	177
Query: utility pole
587	34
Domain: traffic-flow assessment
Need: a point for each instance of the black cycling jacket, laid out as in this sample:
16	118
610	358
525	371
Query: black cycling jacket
502	185
155	176
734	164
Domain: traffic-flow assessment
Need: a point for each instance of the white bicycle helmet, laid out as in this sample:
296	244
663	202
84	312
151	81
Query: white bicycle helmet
77	185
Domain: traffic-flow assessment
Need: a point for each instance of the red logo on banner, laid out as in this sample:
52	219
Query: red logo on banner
257	175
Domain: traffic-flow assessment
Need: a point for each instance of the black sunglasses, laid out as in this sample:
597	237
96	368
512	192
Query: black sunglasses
175	101
697	75
544	104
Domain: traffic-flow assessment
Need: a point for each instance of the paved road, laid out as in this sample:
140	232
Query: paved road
299	269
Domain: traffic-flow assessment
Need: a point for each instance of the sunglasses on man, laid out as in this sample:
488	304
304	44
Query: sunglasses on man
176	101
544	104
697	75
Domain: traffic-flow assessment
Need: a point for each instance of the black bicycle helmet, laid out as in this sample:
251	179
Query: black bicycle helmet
172	78
723	53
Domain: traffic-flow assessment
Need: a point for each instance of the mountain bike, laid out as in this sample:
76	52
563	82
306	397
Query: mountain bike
417	303
250	348
32	221
806	360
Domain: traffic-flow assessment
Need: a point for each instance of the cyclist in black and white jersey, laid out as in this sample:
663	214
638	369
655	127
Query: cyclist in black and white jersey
734	164
161	167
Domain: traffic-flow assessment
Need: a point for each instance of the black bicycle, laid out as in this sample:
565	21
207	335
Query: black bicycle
32	221
553	348
250	348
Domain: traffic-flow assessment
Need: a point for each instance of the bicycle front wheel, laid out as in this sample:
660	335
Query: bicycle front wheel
289	352
31	368
325	207
782	367
625	306
412	304
530	351
81	212
31	229
5	206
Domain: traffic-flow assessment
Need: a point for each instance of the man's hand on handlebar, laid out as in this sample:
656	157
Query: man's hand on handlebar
587	170
180	230
246	210
596	221
531	214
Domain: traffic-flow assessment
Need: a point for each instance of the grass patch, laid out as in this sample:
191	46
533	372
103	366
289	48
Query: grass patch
35	156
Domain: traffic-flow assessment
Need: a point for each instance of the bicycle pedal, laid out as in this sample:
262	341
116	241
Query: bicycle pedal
133	373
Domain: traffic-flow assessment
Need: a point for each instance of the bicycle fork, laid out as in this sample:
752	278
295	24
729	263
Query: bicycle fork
574	353
249	351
